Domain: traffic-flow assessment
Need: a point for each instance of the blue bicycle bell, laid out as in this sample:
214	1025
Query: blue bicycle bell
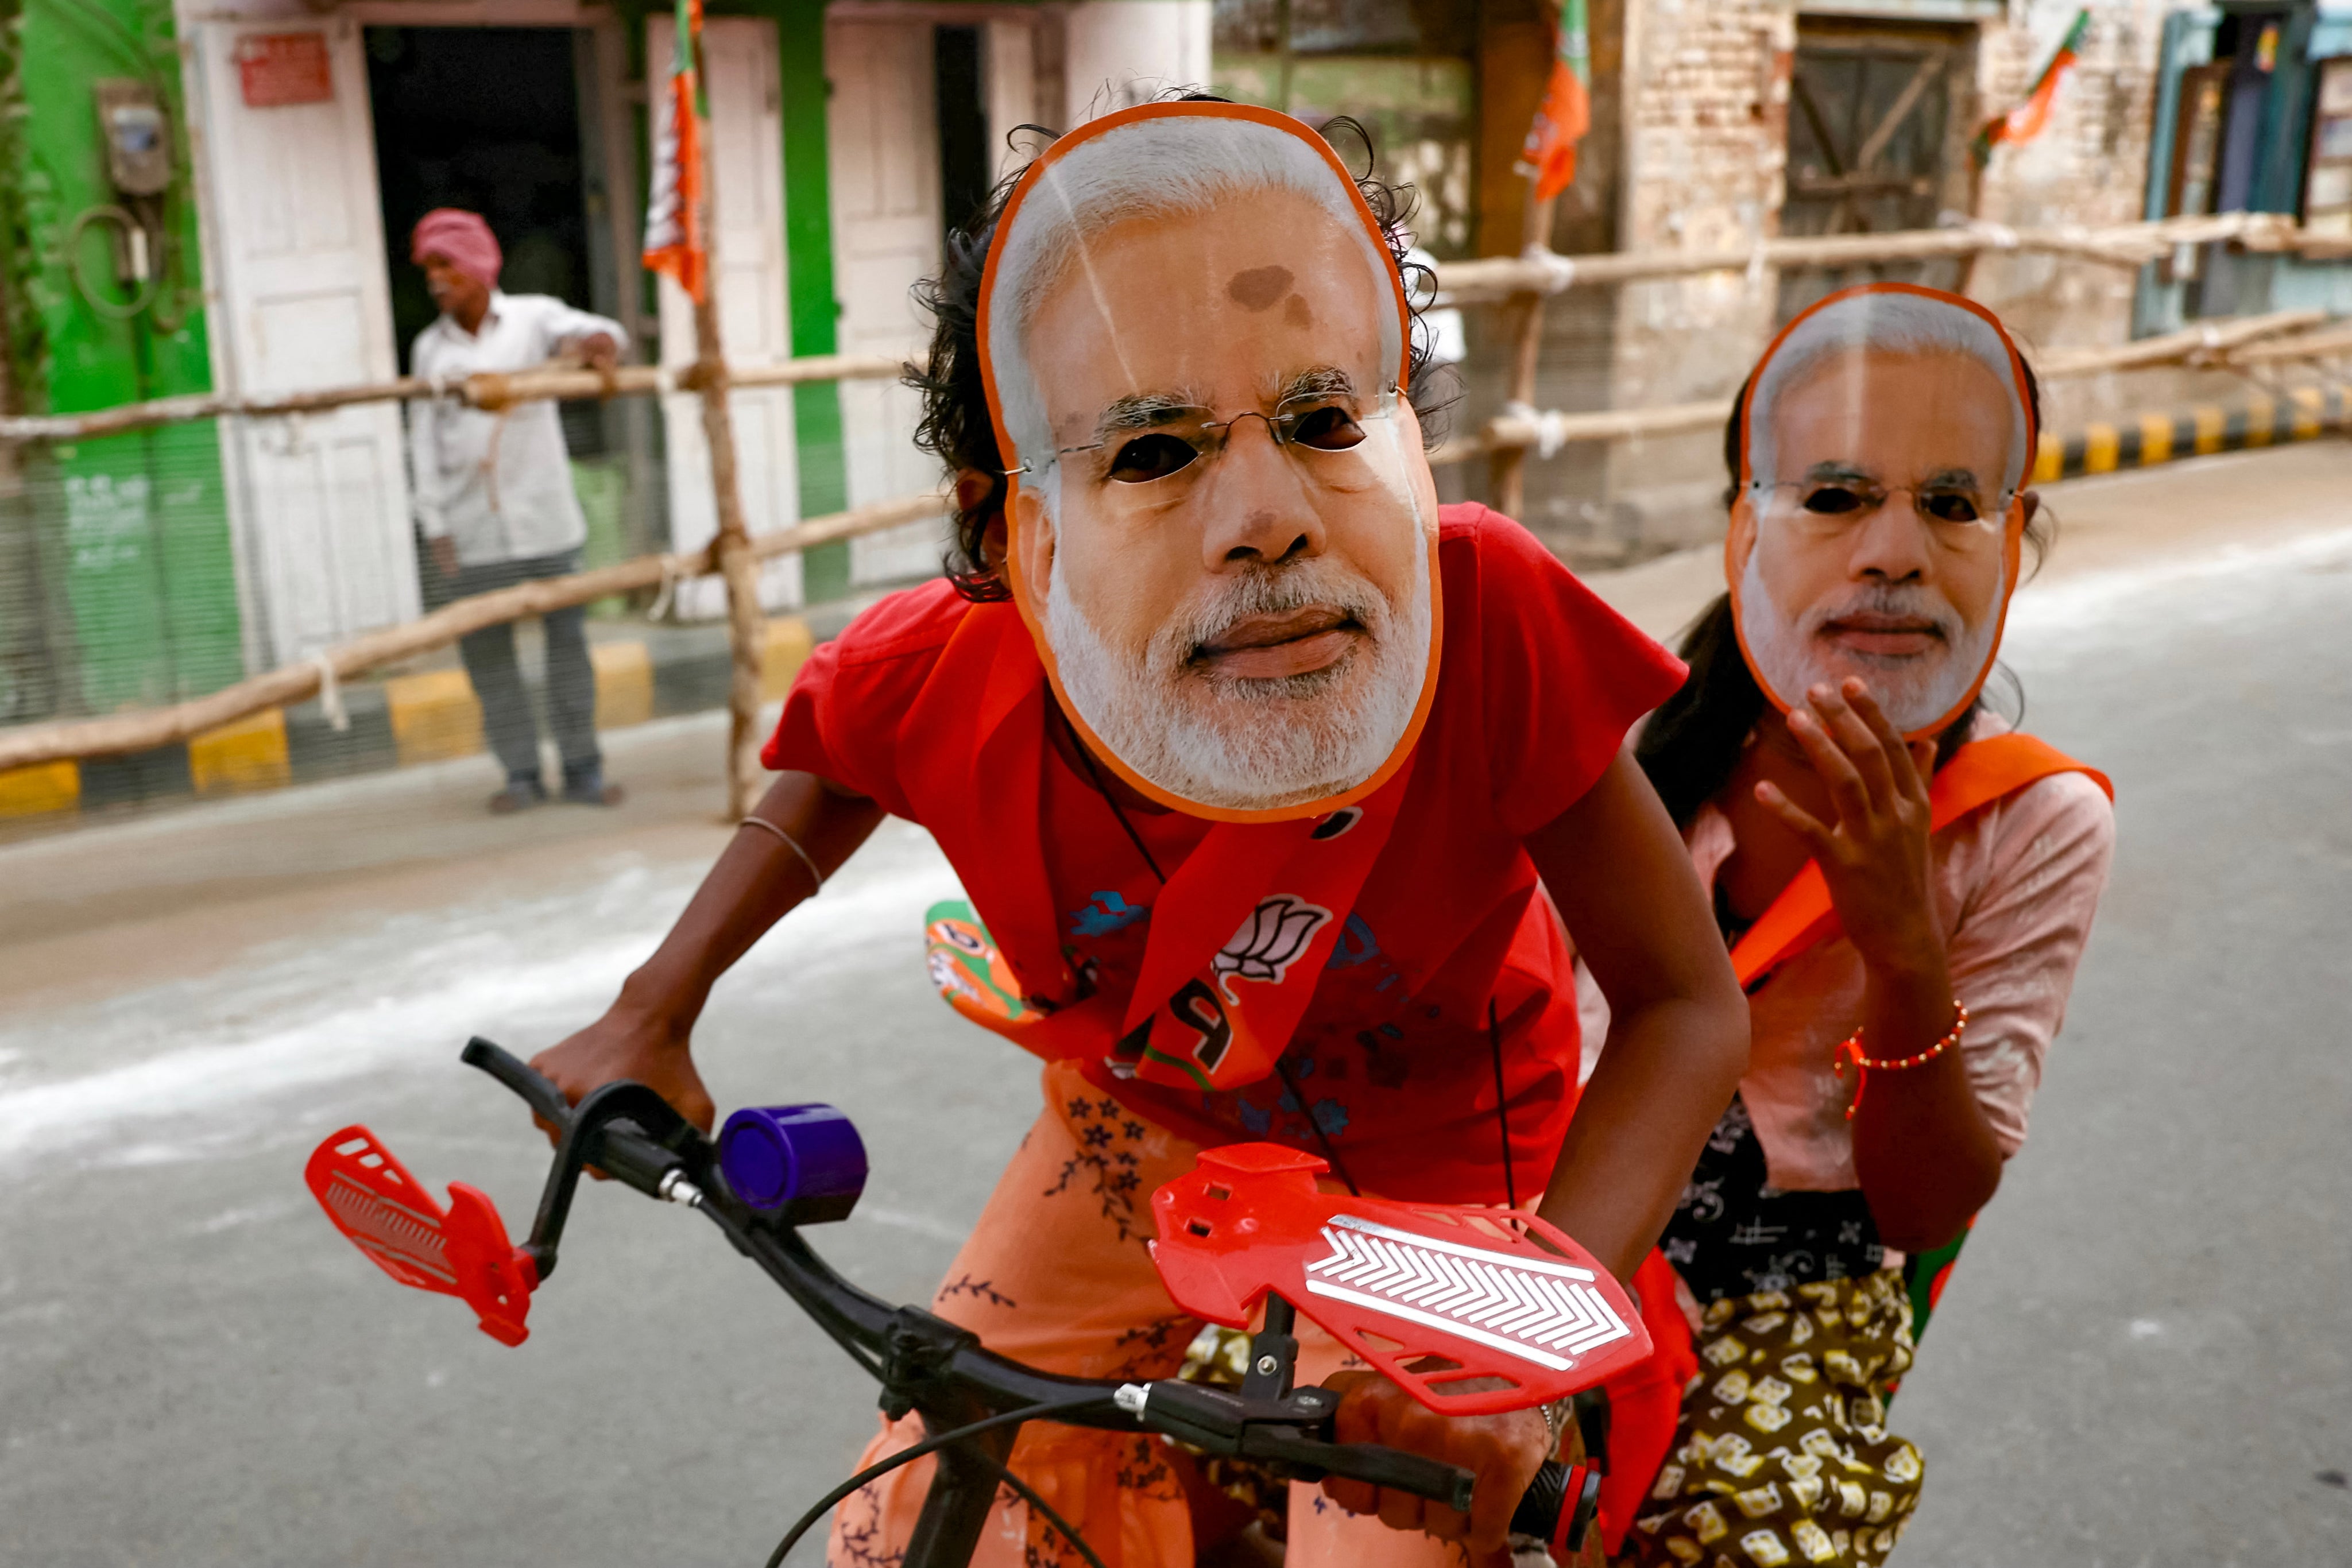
805	1164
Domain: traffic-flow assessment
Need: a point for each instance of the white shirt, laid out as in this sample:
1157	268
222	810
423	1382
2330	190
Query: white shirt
500	484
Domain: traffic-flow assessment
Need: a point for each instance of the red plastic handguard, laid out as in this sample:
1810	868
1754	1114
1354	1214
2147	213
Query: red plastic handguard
461	1251
1438	1298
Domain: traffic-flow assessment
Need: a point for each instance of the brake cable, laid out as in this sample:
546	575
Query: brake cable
932	1445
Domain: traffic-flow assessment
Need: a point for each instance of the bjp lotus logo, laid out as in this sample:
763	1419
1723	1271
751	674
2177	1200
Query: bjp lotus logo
1272	939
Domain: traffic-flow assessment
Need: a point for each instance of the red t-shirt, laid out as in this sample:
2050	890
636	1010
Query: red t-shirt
1450	955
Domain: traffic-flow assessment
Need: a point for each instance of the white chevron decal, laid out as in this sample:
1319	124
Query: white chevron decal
1549	1313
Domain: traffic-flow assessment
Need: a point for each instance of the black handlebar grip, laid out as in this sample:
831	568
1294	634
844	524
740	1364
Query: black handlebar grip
545	1100
1558	1508
637	1161
1431	1479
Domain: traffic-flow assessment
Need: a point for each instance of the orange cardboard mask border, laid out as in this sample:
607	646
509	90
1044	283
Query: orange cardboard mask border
1018	578
2014	526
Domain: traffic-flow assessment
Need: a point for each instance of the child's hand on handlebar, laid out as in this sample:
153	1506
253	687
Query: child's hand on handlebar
619	1046
1503	1451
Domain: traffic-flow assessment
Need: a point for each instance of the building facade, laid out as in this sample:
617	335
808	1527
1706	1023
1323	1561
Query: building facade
1720	124
218	197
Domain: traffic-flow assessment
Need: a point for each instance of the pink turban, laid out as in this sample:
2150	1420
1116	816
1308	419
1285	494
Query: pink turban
462	239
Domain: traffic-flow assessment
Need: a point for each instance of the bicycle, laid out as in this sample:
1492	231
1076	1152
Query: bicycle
1447	1318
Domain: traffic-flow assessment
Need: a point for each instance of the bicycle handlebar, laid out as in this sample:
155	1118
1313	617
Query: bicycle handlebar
928	1363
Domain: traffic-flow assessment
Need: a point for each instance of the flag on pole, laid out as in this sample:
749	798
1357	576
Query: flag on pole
2029	118
1548	155
674	237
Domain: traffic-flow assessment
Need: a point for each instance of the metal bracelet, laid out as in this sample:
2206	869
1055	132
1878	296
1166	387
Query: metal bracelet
793	842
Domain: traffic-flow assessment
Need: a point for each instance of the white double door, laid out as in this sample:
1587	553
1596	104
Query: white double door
747	271
296	257
882	142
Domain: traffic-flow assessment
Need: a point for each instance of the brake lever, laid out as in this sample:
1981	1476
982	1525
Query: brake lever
638	1137
1292	1431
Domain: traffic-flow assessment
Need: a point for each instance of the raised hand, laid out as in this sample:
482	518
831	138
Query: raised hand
1875	855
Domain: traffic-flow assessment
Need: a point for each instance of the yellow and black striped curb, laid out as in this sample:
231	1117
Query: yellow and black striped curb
2299	413
396	723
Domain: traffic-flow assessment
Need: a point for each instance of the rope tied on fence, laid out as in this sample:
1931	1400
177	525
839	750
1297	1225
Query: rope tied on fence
1560	271
673	572
1550	425
330	693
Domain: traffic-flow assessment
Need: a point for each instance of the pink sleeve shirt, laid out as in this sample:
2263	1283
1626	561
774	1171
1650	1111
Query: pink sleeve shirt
2016	886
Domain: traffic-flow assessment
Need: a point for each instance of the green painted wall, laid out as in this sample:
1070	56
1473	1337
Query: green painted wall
132	533
808	261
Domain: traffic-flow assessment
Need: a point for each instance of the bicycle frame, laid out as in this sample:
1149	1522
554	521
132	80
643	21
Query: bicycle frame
925	1364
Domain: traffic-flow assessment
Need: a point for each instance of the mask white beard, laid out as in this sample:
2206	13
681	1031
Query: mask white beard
1250	744
1789	657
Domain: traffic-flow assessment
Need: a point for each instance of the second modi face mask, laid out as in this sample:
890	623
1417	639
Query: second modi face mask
1885	438
1222	530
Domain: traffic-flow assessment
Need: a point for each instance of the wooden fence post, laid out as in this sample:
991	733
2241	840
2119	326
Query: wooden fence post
746	628
1508	468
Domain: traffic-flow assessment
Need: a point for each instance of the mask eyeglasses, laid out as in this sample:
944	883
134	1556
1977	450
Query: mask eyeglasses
1955	513
1166	440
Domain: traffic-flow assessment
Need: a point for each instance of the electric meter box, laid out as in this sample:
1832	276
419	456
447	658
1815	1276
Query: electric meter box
138	139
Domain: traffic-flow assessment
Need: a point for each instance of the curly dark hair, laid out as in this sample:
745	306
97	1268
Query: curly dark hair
1691	745
955	425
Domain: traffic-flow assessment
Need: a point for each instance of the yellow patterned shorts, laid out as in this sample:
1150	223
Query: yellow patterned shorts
1783	1455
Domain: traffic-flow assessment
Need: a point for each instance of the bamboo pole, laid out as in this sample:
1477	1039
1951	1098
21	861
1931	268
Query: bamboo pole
1559	429
148	729
1488	281
489	390
2206	342
2222	344
746	631
2334	343
2126	245
1506	471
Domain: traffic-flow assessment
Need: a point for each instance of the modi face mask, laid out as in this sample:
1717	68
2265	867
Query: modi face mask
1221	529
1884	440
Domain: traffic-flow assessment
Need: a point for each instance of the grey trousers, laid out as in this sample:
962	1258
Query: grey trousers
507	722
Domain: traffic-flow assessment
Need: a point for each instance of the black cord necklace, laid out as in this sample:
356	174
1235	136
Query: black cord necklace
1281	1063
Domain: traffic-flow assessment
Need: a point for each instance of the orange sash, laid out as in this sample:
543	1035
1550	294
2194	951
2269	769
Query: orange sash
1238	936
1979	774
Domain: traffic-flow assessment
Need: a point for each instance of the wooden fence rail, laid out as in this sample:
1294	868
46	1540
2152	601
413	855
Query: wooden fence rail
1543	272
146	728
487	390
2276	339
1484	282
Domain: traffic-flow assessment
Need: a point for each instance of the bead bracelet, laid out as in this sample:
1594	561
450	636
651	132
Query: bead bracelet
1852	1051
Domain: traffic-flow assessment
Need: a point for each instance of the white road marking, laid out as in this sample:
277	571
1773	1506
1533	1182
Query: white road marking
486	968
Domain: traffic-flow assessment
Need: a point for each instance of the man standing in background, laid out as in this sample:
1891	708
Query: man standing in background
494	497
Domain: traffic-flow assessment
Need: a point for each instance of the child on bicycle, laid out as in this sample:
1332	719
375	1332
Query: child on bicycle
1266	777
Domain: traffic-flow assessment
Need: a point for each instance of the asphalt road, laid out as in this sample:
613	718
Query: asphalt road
2145	1356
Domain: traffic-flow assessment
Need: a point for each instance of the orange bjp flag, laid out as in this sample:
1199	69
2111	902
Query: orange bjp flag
1548	155
675	243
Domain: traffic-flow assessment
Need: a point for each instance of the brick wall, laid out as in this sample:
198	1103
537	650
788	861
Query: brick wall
1706	107
1705	154
2088	166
